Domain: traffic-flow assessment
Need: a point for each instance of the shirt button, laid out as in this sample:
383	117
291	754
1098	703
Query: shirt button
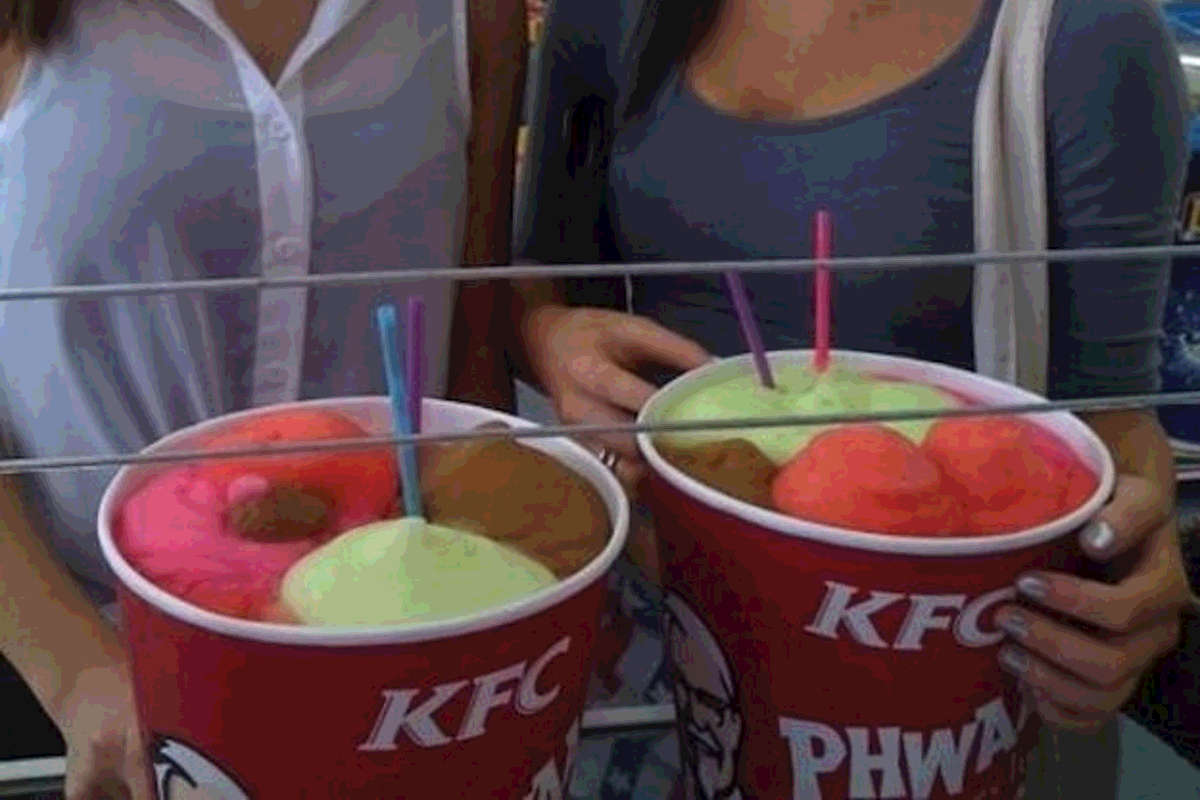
278	130
274	345
275	312
282	269
273	376
287	248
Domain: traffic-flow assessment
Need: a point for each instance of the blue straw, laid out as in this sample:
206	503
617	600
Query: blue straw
393	370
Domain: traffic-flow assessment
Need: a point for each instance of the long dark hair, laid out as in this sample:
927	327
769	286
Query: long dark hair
667	32
33	23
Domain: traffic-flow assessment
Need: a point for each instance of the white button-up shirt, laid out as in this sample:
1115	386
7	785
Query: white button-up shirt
149	146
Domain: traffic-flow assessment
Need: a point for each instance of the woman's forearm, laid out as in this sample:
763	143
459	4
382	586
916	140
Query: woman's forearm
497	52
49	630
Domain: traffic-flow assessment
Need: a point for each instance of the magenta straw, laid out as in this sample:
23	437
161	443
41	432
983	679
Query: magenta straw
414	340
822	252
745	314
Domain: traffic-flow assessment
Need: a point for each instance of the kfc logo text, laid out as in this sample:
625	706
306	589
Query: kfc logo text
845	609
888	762
412	710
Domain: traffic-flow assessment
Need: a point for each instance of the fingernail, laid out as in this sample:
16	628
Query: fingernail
1099	536
1014	660
1033	587
1014	624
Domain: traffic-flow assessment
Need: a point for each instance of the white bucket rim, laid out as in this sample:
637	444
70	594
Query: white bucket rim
1071	430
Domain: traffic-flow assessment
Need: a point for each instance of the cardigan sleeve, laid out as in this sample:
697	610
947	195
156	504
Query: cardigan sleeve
1116	160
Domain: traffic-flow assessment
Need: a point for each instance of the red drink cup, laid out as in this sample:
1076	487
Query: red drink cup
483	706
818	662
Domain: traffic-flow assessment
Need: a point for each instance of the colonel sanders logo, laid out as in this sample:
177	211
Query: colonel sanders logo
710	722
181	773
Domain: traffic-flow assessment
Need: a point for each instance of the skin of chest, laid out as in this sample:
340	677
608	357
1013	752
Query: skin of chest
10	71
269	29
802	61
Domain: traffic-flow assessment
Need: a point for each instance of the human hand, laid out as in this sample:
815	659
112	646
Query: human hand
584	359
106	759
1080	676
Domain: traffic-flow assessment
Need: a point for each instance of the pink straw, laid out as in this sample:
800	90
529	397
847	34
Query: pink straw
414	342
822	251
745	314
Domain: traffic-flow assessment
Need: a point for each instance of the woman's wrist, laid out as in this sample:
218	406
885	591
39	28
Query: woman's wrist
103	670
49	629
536	305
534	330
95	653
538	320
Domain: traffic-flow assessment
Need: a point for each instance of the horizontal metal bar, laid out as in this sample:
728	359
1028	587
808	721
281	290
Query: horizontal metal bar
47	464
41	788
28	776
19	778
549	271
598	721
1188	475
45	774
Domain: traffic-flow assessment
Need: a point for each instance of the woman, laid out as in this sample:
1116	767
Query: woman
712	130
196	139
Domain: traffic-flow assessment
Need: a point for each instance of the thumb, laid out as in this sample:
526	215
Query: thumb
639	339
1135	511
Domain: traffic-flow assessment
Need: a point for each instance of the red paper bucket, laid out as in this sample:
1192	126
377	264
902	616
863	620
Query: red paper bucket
486	706
818	662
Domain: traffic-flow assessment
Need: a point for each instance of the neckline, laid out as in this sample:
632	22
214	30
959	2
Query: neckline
329	17
276	62
981	29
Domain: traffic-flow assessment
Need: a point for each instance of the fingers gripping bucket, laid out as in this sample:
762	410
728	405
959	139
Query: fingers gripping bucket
817	662
482	706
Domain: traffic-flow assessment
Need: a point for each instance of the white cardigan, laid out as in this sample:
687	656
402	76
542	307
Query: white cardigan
1011	199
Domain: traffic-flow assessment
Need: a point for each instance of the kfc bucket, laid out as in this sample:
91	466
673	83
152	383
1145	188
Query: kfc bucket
814	661
483	705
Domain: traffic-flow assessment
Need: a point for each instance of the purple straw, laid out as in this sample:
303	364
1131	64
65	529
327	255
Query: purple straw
745	314
415	344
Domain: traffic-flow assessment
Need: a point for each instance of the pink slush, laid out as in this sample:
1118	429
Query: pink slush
222	533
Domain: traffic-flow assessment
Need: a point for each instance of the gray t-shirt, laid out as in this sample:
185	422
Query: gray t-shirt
690	183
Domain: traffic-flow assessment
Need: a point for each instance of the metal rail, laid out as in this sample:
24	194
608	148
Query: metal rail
551	271
37	775
32	776
99	461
